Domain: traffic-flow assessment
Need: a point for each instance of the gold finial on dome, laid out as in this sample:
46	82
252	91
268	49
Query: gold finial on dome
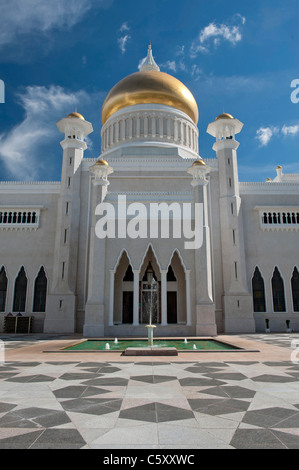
224	116
150	86
76	115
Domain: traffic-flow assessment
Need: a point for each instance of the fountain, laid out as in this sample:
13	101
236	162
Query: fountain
107	346
116	341
151	304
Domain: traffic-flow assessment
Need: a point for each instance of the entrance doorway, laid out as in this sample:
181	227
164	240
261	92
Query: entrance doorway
172	315
128	307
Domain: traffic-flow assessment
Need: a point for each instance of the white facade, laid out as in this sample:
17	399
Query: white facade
246	270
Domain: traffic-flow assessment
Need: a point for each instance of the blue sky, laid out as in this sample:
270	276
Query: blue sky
237	57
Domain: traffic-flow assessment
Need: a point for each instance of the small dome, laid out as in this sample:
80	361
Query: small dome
76	115
199	163
102	162
224	116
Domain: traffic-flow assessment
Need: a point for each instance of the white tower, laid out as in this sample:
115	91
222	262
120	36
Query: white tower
95	306
62	298
205	306
237	300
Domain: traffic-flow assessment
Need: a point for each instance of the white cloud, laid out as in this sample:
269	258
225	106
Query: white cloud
265	134
124	27
19	17
290	130
22	149
213	34
122	42
124	38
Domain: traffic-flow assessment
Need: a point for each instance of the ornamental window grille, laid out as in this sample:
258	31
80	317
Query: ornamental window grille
277	218
19	218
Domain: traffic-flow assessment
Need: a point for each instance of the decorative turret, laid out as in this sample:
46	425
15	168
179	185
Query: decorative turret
225	127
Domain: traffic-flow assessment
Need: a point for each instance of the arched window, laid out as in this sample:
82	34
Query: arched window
3	289
295	289
129	276
19	302
170	275
258	292
40	292
278	292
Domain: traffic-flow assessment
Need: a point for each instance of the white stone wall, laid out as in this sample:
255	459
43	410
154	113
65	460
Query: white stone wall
25	247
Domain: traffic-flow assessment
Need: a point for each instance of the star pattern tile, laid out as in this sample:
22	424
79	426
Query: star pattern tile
199	404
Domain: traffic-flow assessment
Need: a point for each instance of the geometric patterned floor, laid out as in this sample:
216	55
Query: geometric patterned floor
152	405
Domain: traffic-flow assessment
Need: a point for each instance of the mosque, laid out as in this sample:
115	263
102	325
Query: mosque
59	270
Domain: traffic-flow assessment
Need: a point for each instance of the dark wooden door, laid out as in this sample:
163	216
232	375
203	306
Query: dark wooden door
128	307
172	316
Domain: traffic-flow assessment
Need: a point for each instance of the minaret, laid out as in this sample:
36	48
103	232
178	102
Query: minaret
205	306
61	304
94	324
237	300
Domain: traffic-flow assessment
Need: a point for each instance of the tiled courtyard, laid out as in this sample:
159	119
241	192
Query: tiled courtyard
55	400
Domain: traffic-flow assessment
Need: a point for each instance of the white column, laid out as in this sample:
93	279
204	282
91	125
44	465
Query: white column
138	126
163	297
188	302
136	298
111	303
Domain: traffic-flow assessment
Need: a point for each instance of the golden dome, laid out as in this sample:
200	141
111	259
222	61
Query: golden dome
102	162
199	162
150	86
224	116
76	115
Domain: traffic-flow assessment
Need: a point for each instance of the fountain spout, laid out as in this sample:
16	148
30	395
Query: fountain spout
150	334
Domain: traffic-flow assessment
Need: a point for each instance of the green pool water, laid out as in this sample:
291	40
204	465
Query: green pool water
122	345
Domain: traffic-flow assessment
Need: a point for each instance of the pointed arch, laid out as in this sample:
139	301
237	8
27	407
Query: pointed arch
278	295
20	291
180	257
40	291
123	251
176	289
258	291
149	247
3	288
123	290
295	289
